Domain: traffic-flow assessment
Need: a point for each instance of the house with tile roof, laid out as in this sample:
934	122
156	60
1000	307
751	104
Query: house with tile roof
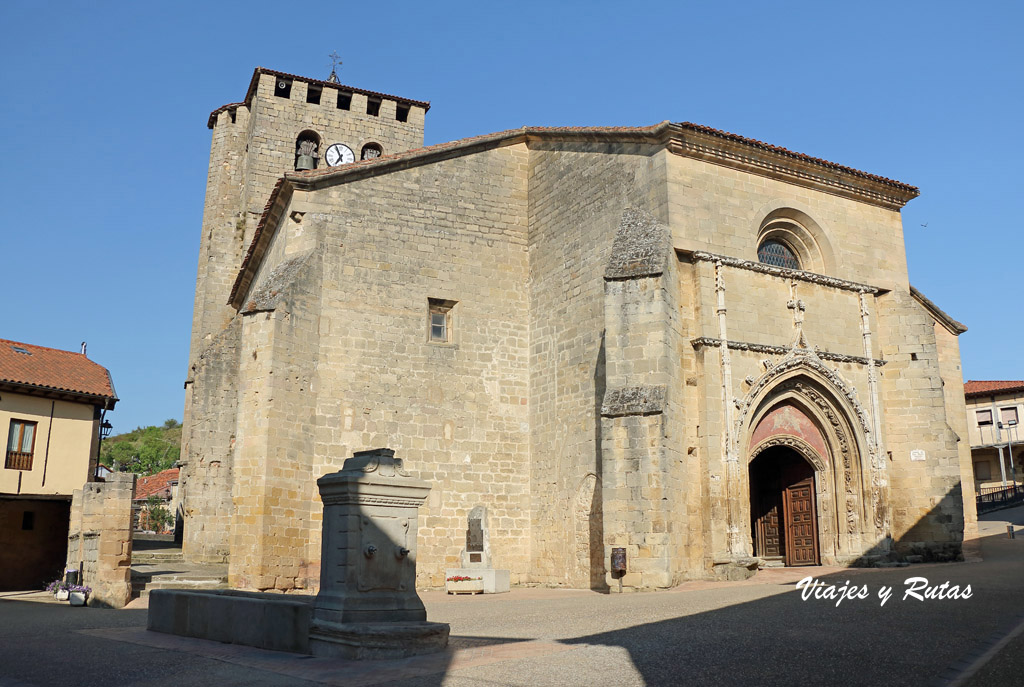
692	345
52	403
995	409
164	487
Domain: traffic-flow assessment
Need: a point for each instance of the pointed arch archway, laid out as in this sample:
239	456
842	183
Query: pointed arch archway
826	427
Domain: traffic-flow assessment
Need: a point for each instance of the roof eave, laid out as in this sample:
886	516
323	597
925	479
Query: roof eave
953	326
106	402
685	139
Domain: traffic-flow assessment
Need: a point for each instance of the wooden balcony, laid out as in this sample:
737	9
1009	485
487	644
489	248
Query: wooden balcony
19	460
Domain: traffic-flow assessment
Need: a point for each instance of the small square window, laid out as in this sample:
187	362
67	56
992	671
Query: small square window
373	107
313	94
1008	415
984	418
439	320
344	100
402	113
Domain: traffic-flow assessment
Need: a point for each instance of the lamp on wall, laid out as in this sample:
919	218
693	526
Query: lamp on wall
105	429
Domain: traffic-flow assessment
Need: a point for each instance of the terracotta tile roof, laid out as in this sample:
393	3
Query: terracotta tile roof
974	388
157	484
53	370
254	82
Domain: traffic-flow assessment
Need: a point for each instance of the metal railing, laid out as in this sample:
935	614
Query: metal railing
995	488
1001	498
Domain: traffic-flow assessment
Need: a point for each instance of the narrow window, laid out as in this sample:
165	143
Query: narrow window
370	151
402	113
28	520
232	114
774	252
439	320
283	88
20	443
344	100
984	418
313	94
373	106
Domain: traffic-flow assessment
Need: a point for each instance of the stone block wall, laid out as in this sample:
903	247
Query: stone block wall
275	124
100	539
222	237
643	419
926	494
208	448
577	199
274	486
948	348
252	147
455	411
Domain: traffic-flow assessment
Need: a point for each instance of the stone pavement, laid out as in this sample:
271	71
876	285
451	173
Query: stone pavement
702	633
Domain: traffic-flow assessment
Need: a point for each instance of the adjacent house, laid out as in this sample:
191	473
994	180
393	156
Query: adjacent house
994	411
164	486
52	403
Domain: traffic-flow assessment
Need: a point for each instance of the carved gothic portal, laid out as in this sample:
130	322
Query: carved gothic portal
784	519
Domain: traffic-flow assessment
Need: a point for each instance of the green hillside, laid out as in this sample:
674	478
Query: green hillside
145	450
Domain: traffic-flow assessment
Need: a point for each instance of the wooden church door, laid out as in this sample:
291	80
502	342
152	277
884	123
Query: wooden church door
801	523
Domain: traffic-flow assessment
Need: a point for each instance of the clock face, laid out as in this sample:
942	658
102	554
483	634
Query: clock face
339	154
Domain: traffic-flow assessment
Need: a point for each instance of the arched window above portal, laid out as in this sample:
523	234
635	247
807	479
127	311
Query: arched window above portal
776	252
789	238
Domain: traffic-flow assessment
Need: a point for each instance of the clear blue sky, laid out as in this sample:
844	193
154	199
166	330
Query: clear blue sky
105	145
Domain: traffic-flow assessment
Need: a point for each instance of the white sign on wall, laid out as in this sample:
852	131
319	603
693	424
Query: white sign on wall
917	454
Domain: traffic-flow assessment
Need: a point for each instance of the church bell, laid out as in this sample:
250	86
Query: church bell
305	162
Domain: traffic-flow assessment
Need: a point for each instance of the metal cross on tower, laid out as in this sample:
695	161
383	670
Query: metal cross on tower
335	63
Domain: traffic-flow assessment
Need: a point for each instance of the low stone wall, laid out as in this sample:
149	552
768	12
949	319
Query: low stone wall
266	621
100	539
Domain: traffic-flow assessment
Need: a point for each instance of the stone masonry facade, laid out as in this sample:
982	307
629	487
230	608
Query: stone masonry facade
100	539
615	354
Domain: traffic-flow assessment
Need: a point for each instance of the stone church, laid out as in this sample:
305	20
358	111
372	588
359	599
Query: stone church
695	346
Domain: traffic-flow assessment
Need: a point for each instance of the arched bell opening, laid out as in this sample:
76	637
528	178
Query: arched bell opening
783	507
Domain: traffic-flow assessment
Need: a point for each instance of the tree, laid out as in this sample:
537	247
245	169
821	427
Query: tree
144	451
155	516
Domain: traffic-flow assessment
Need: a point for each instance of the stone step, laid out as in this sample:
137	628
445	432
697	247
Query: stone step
142	588
144	557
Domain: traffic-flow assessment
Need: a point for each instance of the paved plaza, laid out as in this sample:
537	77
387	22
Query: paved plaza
701	633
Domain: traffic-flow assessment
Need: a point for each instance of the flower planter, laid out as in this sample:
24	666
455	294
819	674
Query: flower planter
77	598
464	586
61	595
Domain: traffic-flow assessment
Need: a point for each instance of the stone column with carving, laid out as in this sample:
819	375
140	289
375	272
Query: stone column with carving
367	607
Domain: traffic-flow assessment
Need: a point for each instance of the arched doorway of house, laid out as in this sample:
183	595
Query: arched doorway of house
783	512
